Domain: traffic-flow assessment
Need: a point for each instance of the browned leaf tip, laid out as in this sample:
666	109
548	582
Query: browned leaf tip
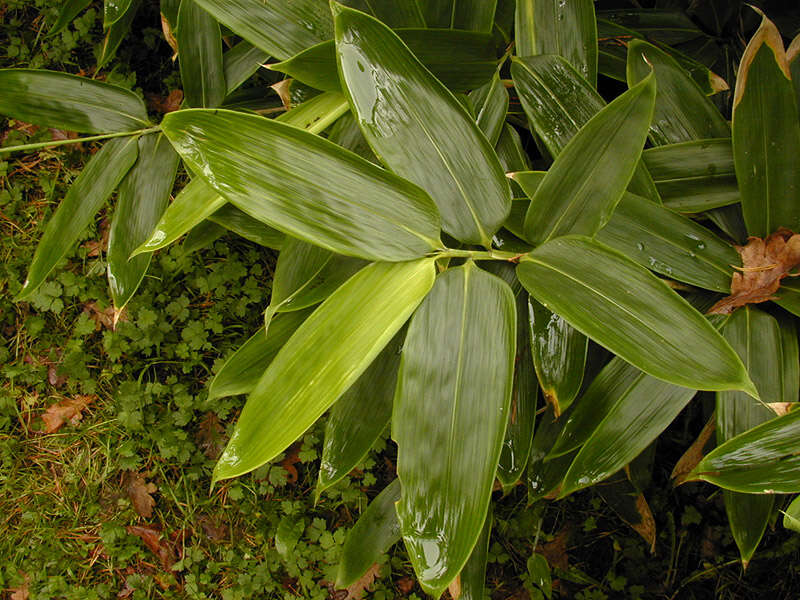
455	588
764	264
139	491
357	589
166	28
646	527
692	457
69	409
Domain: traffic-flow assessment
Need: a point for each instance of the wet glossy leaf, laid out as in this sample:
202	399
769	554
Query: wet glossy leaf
240	62
200	57
360	416
475	15
241	372
791	517
113	10
323	358
69	102
582	187
203	235
510	151
694	176
668	26
85	197
558	102
566	29
472	578
281	29
418	129
539	570
142	199
69	10
373	534
239	222
544	477
491	105
450	415
682	111
625	308
559	356
766	135
461	60
272	171
117	32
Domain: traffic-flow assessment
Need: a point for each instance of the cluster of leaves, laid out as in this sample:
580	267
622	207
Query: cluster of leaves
459	383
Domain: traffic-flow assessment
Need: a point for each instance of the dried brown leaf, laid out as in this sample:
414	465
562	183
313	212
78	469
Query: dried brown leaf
455	587
555	551
215	530
166	28
22	592
69	409
292	458
646	527
357	589
153	540
764	264
405	585
692	457
164	105
781	408
139	491
210	436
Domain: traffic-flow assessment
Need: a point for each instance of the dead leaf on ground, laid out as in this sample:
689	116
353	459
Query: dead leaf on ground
555	551
153	540
405	585
69	409
54	378
22	592
215	530
165	104
764	264
139	491
692	457
95	247
288	463
357	589
210	436
59	135
104	317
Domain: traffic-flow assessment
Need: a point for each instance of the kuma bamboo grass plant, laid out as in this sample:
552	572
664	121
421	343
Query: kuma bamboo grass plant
429	280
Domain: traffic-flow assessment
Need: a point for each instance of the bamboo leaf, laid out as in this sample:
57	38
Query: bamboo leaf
239	63
305	186
113	10
559	356
203	234
117	32
694	176
510	151
668	26
69	10
450	415
359	417
491	105
766	135
558	102
99	178
239	222
200	57
418	129
322	359
374	533
281	29
474	15
582	187
472	578
791	517
682	111
63	101
143	197
241	372
544	477
566	29
631	312
461	60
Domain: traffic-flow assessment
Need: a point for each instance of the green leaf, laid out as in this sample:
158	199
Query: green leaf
559	356
567	29
418	128
204	234
281	29
668	26
322	359
69	10
475	15
373	534
113	10
539	570
450	415
792	54
69	102
359	417
694	176
766	135
195	203
582	187
791	517
627	309
558	102
619	416
682	111
510	151
241	372
491	105
763	460
240	62
117	32
627	500
305	275
200	57
670	244
757	339
290	530
142	199
241	223
473	575
544	477
306	186
85	197
461	60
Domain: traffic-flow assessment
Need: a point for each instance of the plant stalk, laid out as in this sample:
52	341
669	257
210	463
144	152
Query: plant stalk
479	254
93	138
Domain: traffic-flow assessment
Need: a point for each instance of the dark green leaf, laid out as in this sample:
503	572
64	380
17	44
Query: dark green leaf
544	477
116	33
305	186
69	10
450	416
204	234
418	129
240	62
200	57
668	26
69	102
241	223
113	10
510	151
473	575
474	15
491	105
627	309
85	197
